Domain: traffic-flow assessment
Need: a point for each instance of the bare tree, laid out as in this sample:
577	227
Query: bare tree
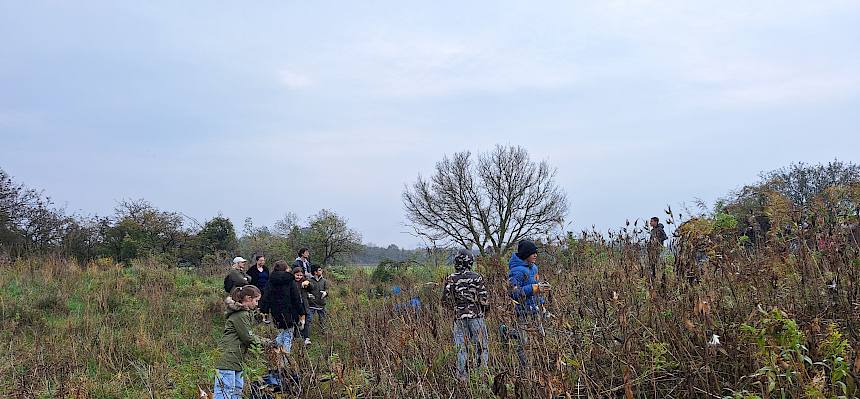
493	203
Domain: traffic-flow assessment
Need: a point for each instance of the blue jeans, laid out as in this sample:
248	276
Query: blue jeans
228	384
476	331
285	339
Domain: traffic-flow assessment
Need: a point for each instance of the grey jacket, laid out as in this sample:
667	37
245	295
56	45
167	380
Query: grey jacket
315	289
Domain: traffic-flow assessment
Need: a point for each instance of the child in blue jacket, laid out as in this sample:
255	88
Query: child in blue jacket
526	290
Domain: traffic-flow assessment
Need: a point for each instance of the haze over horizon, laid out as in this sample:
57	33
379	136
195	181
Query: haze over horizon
289	107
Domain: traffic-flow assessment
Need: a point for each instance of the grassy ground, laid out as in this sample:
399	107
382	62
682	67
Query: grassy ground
104	331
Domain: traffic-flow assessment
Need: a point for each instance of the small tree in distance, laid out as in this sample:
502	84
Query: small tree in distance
493	203
330	238
218	235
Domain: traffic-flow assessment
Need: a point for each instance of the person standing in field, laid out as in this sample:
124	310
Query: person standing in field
655	244
466	295
301	282
283	302
236	277
236	341
258	272
526	290
303	261
317	293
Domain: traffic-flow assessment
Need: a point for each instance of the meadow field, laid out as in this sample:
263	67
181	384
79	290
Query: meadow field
736	320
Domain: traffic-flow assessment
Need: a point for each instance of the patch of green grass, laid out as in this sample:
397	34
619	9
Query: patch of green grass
75	305
12	290
184	279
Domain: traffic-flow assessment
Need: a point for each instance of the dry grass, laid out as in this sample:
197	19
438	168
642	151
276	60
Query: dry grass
102	331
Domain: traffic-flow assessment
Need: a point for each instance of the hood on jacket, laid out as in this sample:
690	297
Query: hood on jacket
515	262
280	277
463	260
233	306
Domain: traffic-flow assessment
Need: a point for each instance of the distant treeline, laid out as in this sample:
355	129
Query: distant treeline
798	197
32	225
373	255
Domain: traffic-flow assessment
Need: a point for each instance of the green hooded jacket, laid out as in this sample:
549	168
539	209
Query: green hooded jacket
237	338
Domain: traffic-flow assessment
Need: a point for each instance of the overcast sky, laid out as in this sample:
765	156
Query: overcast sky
260	108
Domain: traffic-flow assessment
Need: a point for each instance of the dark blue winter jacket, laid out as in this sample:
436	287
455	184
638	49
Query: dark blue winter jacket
522	276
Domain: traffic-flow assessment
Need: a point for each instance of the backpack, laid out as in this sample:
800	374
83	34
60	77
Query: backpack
228	285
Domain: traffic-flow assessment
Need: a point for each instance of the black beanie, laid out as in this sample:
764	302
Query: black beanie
525	249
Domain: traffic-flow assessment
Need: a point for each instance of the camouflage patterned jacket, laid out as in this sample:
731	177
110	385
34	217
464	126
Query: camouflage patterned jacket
466	292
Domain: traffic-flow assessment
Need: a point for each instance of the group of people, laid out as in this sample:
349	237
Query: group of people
290	296
466	293
294	297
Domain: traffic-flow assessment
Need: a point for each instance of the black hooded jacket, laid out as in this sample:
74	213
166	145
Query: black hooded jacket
658	235
282	300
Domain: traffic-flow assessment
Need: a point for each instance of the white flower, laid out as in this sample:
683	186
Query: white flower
715	340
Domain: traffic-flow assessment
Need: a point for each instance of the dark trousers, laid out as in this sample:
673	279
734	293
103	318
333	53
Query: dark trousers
520	334
313	313
653	259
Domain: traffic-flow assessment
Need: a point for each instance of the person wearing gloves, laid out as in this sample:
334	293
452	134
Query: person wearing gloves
283	302
236	277
526	290
237	339
317	293
465	294
302	284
